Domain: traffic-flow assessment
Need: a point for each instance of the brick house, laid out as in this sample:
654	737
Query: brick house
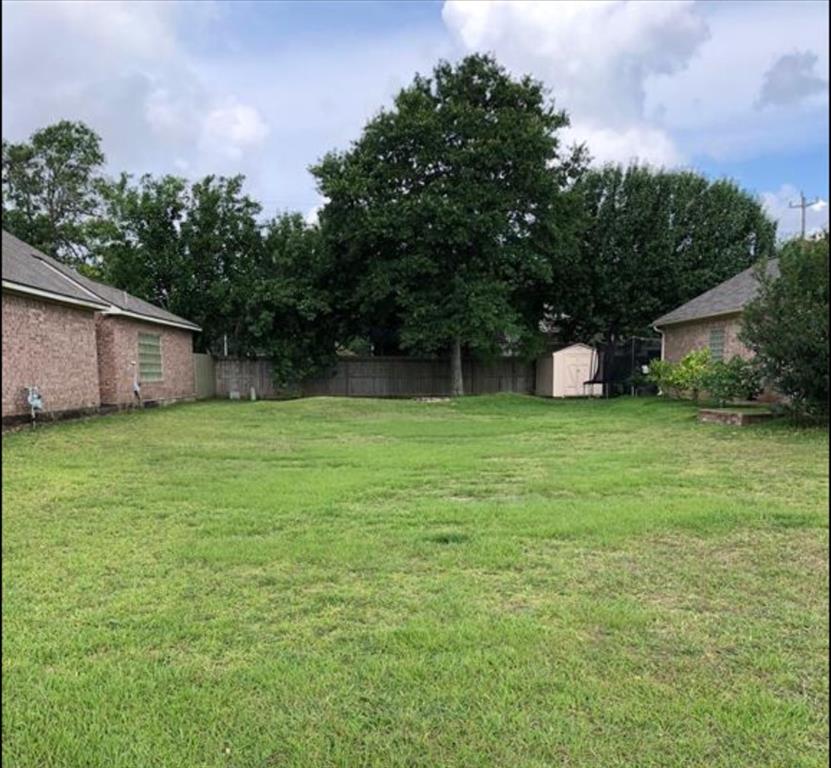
85	344
711	320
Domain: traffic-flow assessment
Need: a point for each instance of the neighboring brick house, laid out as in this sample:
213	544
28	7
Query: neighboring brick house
711	320
84	344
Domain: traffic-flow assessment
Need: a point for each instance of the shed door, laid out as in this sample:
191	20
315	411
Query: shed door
577	371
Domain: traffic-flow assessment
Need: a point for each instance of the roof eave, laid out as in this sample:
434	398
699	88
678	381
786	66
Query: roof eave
29	290
119	312
661	323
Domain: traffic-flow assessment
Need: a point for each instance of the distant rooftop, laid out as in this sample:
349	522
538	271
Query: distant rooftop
726	298
26	266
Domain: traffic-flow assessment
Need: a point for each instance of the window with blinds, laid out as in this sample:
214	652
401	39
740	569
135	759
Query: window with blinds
717	343
150	357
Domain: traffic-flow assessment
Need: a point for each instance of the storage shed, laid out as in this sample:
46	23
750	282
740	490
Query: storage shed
564	373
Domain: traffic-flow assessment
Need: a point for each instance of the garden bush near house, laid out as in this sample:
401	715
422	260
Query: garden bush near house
684	378
697	372
735	379
690	373
786	326
661	374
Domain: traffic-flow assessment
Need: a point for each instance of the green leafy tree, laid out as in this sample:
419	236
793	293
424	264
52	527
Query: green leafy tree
221	236
652	240
283	301
138	239
183	247
200	251
446	216
49	188
786	326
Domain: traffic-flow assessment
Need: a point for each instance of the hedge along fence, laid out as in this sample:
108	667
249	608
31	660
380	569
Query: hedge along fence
380	377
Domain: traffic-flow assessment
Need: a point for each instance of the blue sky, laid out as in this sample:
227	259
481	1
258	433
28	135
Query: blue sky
735	89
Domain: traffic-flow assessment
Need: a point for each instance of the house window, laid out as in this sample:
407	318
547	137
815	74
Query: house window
150	357
717	343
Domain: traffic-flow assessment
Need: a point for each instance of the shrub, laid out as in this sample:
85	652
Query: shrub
685	377
689	374
640	381
736	379
661	373
786	326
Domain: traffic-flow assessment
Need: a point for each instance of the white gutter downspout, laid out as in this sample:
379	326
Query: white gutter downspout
663	348
663	341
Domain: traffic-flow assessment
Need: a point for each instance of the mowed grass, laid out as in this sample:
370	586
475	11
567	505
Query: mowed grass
495	581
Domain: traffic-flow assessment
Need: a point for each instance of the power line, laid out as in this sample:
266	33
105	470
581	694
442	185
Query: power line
803	204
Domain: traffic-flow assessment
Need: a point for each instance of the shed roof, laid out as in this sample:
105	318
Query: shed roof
577	345
27	266
726	298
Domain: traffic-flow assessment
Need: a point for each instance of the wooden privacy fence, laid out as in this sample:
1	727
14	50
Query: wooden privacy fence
204	376
380	377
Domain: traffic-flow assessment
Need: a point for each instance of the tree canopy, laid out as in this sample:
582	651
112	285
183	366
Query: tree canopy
200	251
456	222
652	240
786	326
447	212
49	188
286	301
182	246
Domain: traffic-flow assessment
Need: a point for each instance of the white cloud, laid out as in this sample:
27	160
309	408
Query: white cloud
641	143
777	205
790	80
178	86
232	129
123	68
313	213
711	106
170	87
668	82
597	57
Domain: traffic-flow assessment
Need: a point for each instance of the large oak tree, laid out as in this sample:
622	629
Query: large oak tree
448	212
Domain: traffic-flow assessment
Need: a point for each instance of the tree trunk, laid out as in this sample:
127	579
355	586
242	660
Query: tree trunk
457	384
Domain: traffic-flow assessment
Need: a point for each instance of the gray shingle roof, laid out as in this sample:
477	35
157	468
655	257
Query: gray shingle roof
124	300
24	264
730	296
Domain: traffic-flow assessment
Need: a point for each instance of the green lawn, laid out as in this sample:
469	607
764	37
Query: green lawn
496	581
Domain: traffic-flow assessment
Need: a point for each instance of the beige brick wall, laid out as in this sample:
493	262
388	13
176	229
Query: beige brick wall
118	348
684	337
50	346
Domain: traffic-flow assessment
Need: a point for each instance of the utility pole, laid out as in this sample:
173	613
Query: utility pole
803	204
